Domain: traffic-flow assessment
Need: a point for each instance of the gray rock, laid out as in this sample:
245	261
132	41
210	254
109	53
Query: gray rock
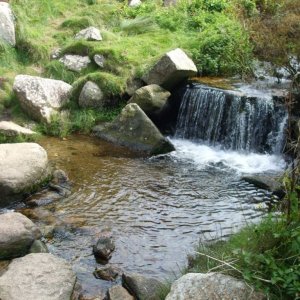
12	129
134	3
108	272
171	69
132	85
89	34
133	129
7	25
118	293
56	53
104	248
41	98
142	287
198	286
99	60
23	166
266	182
170	2
75	63
17	234
151	98
37	276
91	96
38	247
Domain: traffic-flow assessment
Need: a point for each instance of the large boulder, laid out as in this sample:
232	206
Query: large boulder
198	286
133	129
23	166
17	234
171	69
118	293
75	63
41	97
7	25
142	287
12	129
91	96
37	276
151	99
89	34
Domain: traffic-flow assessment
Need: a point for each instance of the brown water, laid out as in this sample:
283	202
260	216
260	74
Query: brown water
156	208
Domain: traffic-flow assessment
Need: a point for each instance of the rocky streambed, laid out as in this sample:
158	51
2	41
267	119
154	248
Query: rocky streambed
156	209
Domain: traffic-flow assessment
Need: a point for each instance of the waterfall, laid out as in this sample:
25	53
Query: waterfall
232	121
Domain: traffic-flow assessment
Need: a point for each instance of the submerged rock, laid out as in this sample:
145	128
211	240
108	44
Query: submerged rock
91	96
118	293
171	69
90	34
75	63
198	286
38	276
17	234
270	183
38	247
7	25
151	98
104	248
109	273
133	129
11	129
23	166
41	97
142	287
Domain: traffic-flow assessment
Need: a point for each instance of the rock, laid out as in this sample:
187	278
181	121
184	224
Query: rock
142	287
109	273
134	3
37	276
38	247
75	63
11	129
171	69
99	60
198	286
17	234
89	34
40	97
23	166
60	177
55	53
91	96
118	293
133	129
266	182
104	248
132	85
7	25
170	2
151	99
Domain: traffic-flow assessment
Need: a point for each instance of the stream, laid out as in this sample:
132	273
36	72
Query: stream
157	209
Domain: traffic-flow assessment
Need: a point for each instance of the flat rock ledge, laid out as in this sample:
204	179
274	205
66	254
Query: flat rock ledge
198	286
133	129
23	167
11	129
41	98
17	235
38	276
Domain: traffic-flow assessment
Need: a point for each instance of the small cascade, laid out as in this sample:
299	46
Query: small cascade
231	120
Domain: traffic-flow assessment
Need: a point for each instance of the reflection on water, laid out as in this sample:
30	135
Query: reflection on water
157	209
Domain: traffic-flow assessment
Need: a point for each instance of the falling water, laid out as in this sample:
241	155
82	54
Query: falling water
232	120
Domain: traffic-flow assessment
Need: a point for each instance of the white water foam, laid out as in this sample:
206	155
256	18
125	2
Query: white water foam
203	156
